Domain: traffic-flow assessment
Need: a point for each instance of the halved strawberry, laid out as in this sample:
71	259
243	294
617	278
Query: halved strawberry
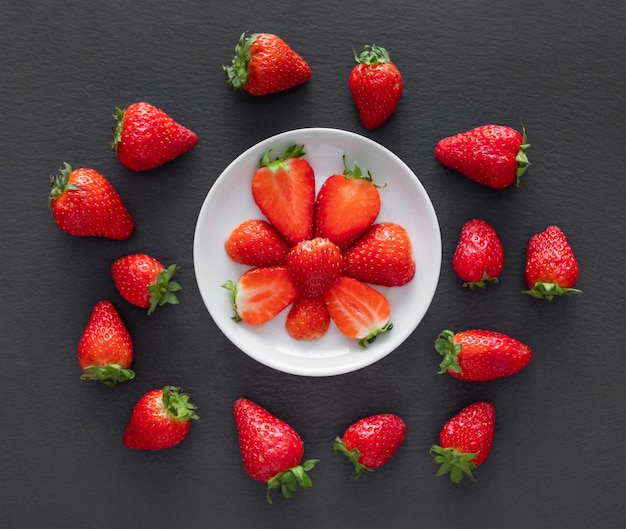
358	310
308	319
284	191
256	242
314	265
261	293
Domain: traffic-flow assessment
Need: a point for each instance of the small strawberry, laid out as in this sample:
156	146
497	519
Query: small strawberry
479	257
347	204
358	310
314	265
480	355
261	293
271	450
284	191
465	441
84	203
160	419
308	319
265	64
492	155
376	86
551	267
105	350
144	281
146	137
383	256
370	442
256	243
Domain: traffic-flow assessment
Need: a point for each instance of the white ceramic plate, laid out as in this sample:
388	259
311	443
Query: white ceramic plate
403	201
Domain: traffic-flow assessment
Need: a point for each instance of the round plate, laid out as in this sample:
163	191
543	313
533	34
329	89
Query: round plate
403	201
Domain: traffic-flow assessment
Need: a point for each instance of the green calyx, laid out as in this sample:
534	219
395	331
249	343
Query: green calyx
237	72
353	456
289	480
364	342
232	288
482	283
549	291
110	375
117	129
372	55
446	347
453	462
293	151
162	291
177	404
60	183
522	157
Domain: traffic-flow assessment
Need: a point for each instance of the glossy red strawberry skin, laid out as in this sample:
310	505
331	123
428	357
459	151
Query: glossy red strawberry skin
256	242
314	265
376	86
84	203
383	256
491	155
479	256
265	64
308	319
146	137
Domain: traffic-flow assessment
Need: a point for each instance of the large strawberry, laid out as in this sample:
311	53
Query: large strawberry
256	242
465	441
105	350
479	355
284	191
84	203
261	293
383	256
371	441
271	450
479	257
161	419
492	155
143	281
347	204
264	64
308	319
551	266
358	310
314	265
146	137
376	86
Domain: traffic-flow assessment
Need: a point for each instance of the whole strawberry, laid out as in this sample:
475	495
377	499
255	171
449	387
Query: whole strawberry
146	137
371	441
144	281
491	155
479	355
308	319
84	203
479	257
105	350
264	64
161	419
314	265
271	450
465	441
256	242
376	86
383	256
551	266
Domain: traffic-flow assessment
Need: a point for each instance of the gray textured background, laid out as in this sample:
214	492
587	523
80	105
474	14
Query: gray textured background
557	67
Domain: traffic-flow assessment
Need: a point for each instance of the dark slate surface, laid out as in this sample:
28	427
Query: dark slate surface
558	69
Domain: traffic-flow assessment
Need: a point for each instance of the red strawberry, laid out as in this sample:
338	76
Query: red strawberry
105	350
346	206
465	441
376	86
551	267
381	256
160	419
370	442
479	355
265	64
479	256
271	450
261	293
492	155
314	265
284	191
256	243
359	311
308	319
146	137
84	203
144	281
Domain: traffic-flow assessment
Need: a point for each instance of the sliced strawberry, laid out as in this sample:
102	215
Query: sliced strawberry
358	310
256	243
308	319
314	265
261	293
